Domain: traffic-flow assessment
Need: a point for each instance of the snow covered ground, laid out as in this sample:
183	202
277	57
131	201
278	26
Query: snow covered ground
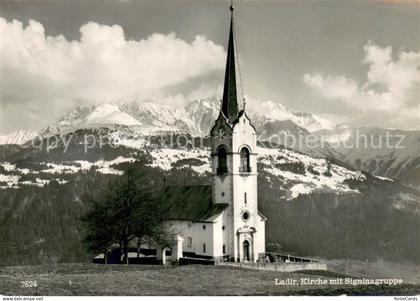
318	174
324	176
12	180
82	165
164	158
296	183
312	174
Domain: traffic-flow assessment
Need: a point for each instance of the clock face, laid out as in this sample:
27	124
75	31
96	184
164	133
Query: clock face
221	133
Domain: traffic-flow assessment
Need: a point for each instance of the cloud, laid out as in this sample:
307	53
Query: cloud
49	73
332	86
391	87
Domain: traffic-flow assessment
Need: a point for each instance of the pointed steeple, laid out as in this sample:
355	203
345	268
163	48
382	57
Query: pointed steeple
230	101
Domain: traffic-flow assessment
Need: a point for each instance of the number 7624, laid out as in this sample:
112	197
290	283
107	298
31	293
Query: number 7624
28	283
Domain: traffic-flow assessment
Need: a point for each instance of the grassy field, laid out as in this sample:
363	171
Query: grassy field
95	279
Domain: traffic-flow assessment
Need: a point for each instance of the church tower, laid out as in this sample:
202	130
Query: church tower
234	169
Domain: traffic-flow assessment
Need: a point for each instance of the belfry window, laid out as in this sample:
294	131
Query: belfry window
244	164
222	160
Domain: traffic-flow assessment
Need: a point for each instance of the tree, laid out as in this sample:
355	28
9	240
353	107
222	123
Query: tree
128	210
99	223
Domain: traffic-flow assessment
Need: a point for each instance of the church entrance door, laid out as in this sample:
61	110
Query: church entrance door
245	246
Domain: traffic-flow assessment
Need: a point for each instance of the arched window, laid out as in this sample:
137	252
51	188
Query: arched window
221	159
244	167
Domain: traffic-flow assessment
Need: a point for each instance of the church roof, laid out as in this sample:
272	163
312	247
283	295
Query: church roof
192	203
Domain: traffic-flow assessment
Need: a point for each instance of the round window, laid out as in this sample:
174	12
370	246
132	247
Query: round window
245	215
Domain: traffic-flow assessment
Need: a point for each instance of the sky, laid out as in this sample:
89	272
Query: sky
353	62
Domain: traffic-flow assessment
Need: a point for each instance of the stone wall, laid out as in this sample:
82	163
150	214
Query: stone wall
280	267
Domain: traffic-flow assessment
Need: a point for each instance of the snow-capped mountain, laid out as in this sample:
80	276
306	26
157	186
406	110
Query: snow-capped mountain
195	118
75	118
202	114
18	137
104	114
109	114
272	111
270	119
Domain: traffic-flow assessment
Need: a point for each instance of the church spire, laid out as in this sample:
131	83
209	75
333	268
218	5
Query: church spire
230	101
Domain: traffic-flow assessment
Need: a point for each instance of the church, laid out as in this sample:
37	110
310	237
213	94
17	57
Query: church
221	222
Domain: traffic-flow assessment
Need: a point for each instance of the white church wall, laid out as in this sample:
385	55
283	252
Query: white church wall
221	236
227	238
219	139
222	189
185	230
233	188
203	235
199	236
244	134
244	187
245	194
260	236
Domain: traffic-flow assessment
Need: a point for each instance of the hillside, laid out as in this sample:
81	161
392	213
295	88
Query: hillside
312	204
316	199
275	124
297	172
389	153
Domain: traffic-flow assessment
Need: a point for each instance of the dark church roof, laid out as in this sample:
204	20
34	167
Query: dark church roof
230	101
192	203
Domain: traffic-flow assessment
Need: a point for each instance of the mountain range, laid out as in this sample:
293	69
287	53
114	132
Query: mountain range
312	196
275	124
195	117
